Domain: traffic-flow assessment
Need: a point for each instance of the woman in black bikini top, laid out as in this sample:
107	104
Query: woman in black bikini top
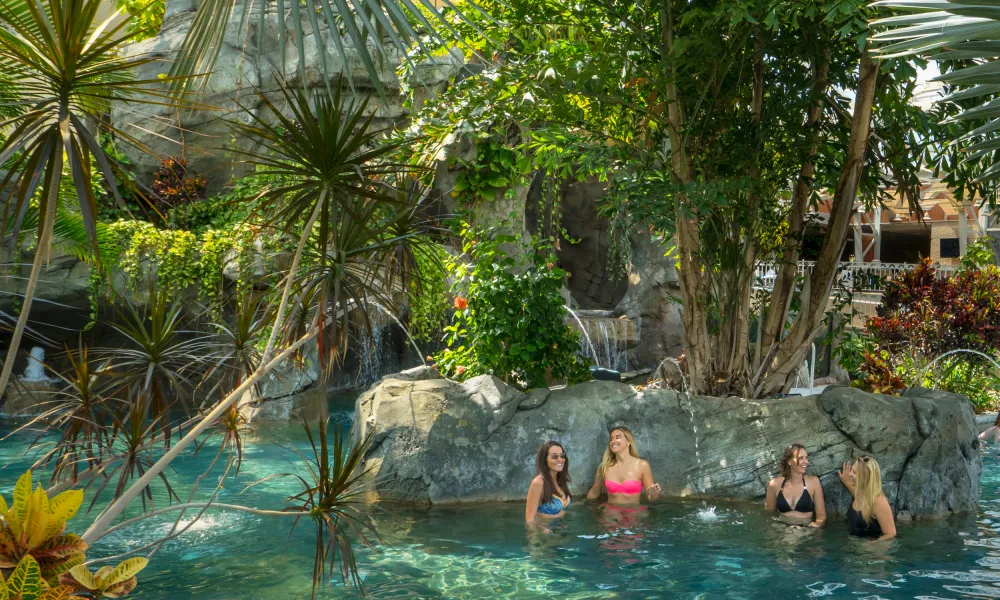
869	514
805	508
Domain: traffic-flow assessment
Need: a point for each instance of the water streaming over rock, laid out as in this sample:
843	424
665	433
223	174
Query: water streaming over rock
606	338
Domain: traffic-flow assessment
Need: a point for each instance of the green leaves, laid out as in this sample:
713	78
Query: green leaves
510	318
965	39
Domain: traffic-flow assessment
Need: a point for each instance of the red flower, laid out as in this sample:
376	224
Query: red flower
459	370
461	303
549	265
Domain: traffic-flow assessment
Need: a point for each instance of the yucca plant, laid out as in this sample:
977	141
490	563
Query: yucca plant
327	158
69	67
34	525
79	413
161	362
334	496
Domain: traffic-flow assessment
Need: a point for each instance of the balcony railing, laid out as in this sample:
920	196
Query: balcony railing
862	281
860	277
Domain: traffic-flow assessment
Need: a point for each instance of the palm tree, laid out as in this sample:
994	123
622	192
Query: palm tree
69	68
377	30
964	36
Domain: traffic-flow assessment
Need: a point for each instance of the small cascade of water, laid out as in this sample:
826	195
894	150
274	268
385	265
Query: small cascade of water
699	487
583	330
606	338
375	353
35	371
611	345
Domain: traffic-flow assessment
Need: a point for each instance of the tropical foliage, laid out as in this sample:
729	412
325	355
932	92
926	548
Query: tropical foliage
935	331
510	317
34	525
698	115
26	583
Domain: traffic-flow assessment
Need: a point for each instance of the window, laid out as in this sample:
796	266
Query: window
949	248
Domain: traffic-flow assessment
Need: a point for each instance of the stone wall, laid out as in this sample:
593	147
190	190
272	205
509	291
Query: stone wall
438	441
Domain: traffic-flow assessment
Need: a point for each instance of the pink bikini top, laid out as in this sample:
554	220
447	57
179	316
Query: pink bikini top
629	486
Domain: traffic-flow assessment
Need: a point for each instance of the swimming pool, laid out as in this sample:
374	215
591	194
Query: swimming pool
672	550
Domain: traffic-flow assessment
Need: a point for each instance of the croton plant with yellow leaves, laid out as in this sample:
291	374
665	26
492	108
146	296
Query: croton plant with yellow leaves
40	561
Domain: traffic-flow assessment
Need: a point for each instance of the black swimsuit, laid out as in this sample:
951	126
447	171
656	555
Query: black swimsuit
804	503
860	527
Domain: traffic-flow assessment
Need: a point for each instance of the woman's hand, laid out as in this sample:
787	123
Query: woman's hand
816	524
653	491
846	474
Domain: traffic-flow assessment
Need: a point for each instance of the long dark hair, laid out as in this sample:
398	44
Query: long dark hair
549	488
790	452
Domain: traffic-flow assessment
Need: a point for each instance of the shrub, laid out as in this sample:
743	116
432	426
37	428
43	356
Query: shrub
175	185
510	317
923	316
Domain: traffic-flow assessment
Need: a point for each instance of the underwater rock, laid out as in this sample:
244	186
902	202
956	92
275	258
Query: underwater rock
438	441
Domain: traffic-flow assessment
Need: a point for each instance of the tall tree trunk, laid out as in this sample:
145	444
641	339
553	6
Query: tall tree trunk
784	284
739	359
792	350
42	245
694	315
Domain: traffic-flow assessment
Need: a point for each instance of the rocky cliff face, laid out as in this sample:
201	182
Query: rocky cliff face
438	441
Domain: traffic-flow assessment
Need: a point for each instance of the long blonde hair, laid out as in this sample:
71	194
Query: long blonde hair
610	459
867	485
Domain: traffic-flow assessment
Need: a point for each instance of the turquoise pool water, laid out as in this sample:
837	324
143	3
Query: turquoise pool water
671	550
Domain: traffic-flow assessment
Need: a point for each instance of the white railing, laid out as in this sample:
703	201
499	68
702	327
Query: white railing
852	275
863	280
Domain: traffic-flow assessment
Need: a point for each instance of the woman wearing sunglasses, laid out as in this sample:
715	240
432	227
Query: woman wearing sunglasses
869	514
549	495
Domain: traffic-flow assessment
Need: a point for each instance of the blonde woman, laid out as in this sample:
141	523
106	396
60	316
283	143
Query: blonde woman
622	473
806	506
870	514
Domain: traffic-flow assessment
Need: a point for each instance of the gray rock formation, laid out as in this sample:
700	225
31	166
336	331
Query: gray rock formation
439	441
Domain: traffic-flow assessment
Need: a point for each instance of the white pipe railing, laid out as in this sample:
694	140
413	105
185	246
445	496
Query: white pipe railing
863	280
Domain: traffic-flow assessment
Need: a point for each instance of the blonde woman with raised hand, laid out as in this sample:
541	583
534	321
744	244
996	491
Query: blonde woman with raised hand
869	514
622	473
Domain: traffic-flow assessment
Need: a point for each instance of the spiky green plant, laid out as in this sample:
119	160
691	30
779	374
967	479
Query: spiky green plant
70	67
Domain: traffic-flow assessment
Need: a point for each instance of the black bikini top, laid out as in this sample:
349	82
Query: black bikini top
804	503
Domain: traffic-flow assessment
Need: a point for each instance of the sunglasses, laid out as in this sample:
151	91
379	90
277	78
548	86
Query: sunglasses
554	455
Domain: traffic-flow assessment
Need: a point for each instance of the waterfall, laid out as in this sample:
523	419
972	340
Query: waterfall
35	372
376	356
606	338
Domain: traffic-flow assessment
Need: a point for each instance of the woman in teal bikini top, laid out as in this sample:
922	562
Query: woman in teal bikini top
549	494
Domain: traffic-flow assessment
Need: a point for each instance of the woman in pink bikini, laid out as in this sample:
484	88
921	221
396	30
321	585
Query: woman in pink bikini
622	473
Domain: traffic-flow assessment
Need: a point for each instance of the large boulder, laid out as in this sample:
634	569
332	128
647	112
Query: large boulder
438	441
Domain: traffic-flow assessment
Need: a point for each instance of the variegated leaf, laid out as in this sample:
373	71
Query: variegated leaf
101	576
81	575
62	508
126	570
62	592
62	546
4	594
36	522
26	580
121	589
52	570
19	509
